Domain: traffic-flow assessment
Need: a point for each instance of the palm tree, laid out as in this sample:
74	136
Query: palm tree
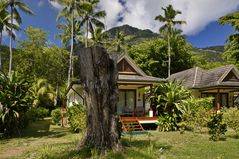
119	43
90	17
66	35
99	37
43	92
232	47
4	18
5	25
69	12
169	22
14	4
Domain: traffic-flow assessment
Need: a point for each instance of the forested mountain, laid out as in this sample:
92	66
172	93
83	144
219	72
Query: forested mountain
210	54
207	54
135	33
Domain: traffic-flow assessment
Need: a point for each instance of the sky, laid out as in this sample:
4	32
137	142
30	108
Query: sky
202	28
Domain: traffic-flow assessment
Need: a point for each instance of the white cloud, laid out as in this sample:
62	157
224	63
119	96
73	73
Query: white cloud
40	3
113	8
56	5
141	13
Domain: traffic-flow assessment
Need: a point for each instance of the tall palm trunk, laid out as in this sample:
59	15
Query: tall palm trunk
10	45
72	47
87	34
0	50
169	56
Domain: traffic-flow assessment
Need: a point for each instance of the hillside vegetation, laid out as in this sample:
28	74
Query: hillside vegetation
202	56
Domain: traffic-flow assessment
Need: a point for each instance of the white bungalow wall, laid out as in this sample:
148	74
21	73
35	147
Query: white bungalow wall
73	97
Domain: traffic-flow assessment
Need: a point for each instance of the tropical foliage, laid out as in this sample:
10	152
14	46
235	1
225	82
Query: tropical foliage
35	60
44	94
167	29
15	99
231	118
56	116
169	97
77	117
14	5
232	47
39	113
195	113
151	56
216	127
90	17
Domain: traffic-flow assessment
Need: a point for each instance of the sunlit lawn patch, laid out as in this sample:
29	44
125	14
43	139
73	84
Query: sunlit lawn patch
55	142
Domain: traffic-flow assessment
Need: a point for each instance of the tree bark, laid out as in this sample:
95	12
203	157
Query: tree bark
99	79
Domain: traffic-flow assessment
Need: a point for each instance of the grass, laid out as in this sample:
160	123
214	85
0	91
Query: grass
41	140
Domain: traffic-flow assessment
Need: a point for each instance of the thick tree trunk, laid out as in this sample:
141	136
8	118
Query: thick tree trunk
99	79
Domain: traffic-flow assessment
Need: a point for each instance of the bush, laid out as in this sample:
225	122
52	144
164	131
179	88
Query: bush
231	118
37	113
168	97
77	117
195	113
56	116
16	100
216	127
167	123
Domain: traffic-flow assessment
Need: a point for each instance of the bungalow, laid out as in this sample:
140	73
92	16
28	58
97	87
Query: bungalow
222	83
134	89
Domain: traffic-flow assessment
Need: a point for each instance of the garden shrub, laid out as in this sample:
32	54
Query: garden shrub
167	123
217	128
231	118
77	117
16	100
195	113
168	97
37	113
56	116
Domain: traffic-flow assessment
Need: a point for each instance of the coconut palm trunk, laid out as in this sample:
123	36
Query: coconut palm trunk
0	51
72	49
10	43
87	33
169	56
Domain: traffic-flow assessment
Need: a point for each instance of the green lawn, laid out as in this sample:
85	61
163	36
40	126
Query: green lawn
42	140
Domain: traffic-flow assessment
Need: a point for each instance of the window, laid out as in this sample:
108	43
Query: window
127	101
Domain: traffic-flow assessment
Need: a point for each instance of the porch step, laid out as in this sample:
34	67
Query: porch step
131	124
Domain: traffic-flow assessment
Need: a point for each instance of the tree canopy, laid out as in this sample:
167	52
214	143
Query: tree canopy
232	47
151	56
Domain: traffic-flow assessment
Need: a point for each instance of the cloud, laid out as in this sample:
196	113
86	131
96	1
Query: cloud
56	5
40	3
113	9
141	13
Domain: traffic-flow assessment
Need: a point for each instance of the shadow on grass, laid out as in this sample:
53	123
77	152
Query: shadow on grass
43	128
143	143
234	136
